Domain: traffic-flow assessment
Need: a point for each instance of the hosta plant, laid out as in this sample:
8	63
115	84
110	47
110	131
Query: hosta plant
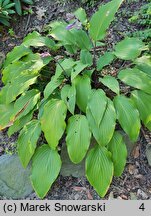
6	9
62	96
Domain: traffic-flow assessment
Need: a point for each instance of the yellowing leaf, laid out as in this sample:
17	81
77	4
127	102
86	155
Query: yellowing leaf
25	103
5	114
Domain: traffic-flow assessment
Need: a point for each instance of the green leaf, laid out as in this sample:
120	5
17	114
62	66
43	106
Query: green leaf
36	40
78	138
53	121
136	78
97	105
99	169
86	57
5	114
129	48
45	169
102	19
52	85
25	103
105	60
80	14
5	2
104	131
17	53
5	21
119	153
77	69
83	91
32	63
82	39
18	7
66	37
17	87
19	123
111	83
30	2
144	64
143	104
27	140
128	116
68	95
65	67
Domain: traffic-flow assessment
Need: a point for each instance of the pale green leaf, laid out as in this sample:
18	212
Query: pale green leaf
144	64
66	37
53	121
105	60
104	131
99	169
16	87
83	91
128	116
27	140
78	138
68	95
17	53
119	153
80	14
143	104
111	83
45	169
136	78
129	48
97	105
36	40
102	19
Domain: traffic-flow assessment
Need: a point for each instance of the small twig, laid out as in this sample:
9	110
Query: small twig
28	20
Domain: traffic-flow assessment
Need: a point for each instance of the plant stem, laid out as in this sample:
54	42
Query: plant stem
94	75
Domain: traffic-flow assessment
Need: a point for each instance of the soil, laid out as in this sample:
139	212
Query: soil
135	182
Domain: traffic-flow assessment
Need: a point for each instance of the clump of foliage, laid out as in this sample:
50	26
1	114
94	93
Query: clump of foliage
19	3
62	93
143	19
8	7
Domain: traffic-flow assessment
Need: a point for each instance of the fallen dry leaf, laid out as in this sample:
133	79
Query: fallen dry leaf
89	195
135	152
